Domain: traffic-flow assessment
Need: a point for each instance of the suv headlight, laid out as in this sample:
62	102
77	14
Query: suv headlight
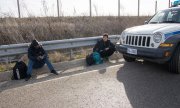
123	36
157	37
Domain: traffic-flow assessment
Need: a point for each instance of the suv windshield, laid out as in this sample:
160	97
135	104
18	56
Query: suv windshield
166	16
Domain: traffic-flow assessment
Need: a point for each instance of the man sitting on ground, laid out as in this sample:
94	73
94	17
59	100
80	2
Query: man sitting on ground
105	47
37	58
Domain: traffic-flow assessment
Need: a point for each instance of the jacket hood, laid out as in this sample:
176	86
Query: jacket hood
34	43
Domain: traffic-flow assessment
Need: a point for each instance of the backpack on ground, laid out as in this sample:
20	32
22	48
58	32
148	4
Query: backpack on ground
97	58
89	60
93	58
19	70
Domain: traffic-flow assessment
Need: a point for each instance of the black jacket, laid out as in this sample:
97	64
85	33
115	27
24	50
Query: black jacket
101	45
33	54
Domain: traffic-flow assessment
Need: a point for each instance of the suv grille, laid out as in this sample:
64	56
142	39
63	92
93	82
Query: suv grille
138	40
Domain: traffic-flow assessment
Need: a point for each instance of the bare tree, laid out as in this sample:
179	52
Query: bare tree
29	14
74	12
96	9
60	8
45	7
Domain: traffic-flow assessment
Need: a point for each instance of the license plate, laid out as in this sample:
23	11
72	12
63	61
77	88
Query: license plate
132	51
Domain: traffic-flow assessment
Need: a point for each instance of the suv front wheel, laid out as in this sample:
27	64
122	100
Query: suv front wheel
174	64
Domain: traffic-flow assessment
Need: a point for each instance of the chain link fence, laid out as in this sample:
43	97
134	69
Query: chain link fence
58	8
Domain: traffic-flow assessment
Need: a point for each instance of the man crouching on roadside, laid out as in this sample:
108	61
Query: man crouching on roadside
37	58
104	47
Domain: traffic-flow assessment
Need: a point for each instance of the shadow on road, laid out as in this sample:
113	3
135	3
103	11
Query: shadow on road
149	85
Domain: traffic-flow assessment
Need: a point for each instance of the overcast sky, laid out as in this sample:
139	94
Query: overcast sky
79	7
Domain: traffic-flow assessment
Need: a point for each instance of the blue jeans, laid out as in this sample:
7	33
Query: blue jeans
31	63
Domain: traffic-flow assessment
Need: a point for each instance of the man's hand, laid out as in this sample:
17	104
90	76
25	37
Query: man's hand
38	58
42	57
106	49
101	50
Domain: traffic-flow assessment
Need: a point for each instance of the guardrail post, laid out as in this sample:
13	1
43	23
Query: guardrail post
7	59
7	62
71	54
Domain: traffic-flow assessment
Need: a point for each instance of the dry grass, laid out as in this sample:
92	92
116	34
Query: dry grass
58	57
6	67
14	30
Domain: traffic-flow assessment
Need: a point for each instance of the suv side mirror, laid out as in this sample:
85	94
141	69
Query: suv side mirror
145	22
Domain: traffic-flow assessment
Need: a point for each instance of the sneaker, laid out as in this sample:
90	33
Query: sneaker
54	72
28	77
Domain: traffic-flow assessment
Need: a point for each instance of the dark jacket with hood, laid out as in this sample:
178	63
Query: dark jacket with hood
34	53
101	45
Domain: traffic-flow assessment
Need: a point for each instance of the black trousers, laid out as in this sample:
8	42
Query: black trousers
107	53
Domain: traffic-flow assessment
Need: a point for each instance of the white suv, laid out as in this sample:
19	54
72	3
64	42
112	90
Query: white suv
158	40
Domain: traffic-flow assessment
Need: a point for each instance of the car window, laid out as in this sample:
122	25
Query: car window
166	16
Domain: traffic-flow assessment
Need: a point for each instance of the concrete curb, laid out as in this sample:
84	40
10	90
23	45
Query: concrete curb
6	76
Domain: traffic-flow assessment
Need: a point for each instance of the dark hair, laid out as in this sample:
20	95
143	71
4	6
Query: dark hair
105	34
34	43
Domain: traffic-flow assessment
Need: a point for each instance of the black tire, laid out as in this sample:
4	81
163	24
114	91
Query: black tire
174	64
128	59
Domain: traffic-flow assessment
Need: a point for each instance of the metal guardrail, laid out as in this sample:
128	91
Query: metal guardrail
17	49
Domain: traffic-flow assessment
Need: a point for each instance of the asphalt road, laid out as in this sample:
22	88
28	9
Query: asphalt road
122	85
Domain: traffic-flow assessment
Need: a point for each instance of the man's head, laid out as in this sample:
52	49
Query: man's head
105	37
35	44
